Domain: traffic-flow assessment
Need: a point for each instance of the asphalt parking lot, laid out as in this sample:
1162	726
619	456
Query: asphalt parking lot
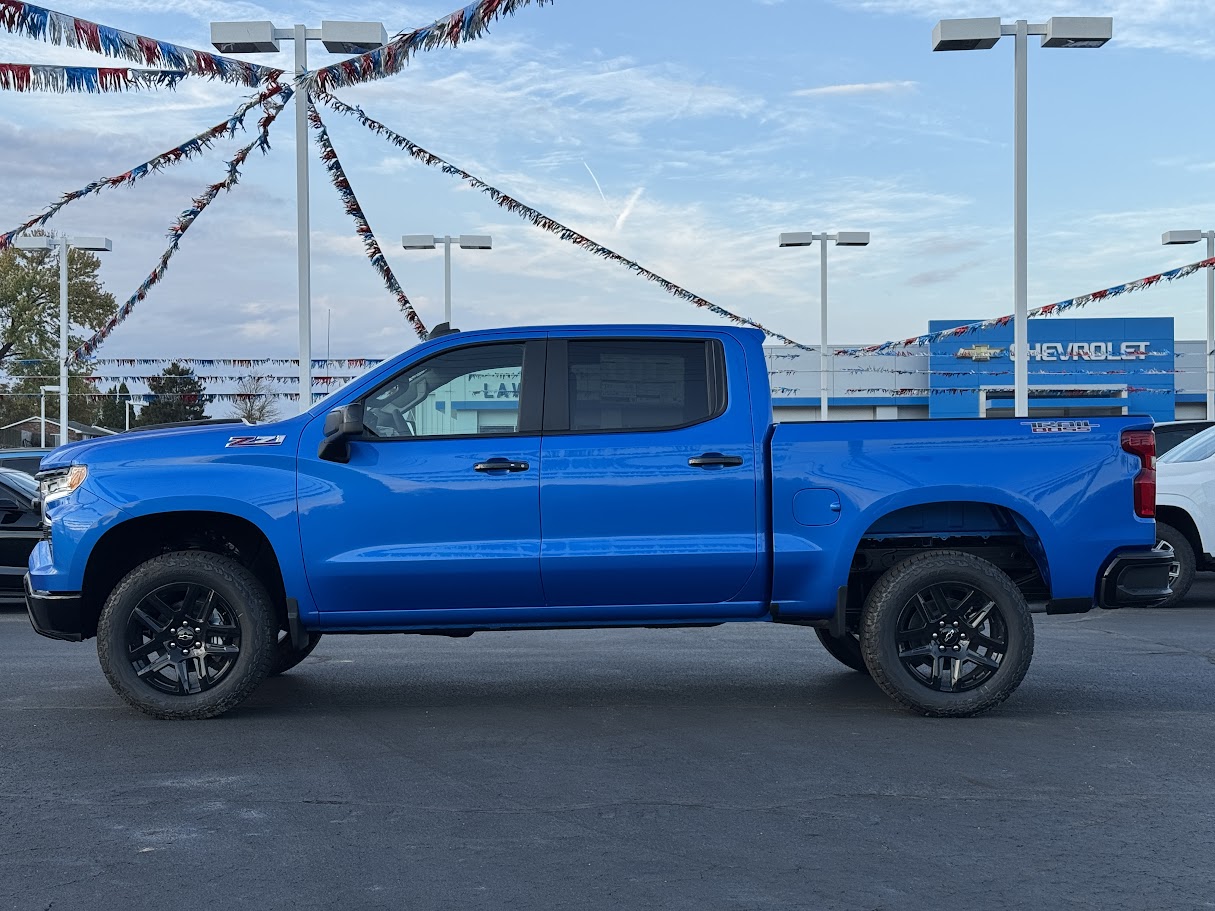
736	767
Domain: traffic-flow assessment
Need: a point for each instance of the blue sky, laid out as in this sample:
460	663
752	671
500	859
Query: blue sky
686	135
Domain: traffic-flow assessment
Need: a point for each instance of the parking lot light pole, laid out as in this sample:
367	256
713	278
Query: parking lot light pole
63	245
982	34
1193	237
264	38
42	391
430	241
842	239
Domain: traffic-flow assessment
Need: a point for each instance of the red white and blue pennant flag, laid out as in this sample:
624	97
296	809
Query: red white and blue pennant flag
181	226
44	24
28	77
462	26
183	152
351	204
541	220
1055	309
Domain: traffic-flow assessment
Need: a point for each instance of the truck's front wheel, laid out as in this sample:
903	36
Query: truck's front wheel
946	633
287	656
187	635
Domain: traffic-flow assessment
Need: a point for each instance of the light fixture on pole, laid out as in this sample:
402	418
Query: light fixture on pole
430	241
1193	237
42	391
264	38
842	239
62	244
981	34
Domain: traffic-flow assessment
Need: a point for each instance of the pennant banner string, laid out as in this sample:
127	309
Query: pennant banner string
183	152
350	202
543	221
43	24
353	363
183	223
463	25
1047	310
31	77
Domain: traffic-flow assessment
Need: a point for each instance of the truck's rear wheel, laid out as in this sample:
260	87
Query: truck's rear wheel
946	633
845	649
1181	573
187	635
287	656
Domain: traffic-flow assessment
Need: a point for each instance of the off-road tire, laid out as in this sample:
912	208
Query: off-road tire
287	656
245	600
1184	563
845	649
935	571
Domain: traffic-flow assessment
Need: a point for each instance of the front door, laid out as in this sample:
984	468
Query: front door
648	490
438	507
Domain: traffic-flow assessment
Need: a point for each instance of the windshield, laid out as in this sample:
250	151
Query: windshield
1195	449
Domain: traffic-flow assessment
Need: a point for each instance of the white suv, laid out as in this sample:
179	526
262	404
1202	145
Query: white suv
1185	508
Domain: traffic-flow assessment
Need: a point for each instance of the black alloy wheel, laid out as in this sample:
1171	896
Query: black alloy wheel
947	634
951	637
187	635
183	638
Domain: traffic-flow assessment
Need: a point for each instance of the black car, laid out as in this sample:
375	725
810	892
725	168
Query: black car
20	530
26	459
1170	433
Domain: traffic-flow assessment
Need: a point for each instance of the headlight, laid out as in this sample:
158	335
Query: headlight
56	484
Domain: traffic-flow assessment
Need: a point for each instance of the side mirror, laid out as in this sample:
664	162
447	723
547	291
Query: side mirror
340	425
8	506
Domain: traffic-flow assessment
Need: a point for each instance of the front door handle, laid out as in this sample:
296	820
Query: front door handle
499	464
715	460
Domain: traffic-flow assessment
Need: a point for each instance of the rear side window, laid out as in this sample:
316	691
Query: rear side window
643	384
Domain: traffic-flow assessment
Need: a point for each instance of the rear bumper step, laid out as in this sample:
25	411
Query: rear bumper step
1137	579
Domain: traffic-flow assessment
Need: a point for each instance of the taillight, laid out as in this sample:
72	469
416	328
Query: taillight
1142	443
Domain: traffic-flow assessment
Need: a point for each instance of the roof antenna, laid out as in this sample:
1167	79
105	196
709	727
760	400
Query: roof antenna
440	330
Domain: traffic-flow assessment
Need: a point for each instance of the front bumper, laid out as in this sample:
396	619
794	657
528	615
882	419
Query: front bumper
56	615
1136	579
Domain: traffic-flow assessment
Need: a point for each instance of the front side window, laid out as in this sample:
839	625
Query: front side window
471	391
643	384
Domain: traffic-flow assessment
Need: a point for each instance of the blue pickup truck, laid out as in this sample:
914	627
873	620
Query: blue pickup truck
610	476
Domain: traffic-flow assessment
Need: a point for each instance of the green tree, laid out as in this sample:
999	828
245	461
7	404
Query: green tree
112	410
29	328
177	395
29	300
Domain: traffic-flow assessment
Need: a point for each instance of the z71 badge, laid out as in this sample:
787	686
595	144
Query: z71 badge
234	442
1059	426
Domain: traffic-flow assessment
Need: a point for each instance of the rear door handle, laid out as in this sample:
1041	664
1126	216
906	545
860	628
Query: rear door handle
499	464
715	460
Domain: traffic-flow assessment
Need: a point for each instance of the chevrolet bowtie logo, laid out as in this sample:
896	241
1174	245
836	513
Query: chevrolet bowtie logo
980	352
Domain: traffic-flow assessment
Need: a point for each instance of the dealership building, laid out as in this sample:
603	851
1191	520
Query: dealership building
1077	368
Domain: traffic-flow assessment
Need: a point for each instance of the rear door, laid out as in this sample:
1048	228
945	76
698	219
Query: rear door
648	480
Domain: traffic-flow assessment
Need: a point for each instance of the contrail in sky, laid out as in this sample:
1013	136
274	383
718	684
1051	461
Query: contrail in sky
596	179
628	208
